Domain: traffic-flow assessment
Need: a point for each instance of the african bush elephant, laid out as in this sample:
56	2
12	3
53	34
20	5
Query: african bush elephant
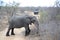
21	21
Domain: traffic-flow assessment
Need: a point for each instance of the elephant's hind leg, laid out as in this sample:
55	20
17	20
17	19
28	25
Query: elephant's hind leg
12	31
7	34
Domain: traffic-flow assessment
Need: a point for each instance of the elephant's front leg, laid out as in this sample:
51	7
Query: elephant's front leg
27	32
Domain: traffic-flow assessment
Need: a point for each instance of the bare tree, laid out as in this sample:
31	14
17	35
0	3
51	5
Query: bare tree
11	8
57	5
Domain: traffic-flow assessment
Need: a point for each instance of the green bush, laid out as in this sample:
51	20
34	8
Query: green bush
43	16
58	17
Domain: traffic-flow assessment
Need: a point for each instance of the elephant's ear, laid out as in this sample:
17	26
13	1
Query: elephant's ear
33	19
28	21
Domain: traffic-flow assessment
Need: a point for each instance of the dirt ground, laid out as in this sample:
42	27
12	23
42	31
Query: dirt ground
19	35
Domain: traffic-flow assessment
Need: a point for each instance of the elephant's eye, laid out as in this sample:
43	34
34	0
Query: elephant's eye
34	20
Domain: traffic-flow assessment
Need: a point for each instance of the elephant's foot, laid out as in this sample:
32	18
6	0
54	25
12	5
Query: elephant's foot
7	35
12	34
27	33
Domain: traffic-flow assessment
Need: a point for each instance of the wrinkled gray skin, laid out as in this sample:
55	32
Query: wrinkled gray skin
21	21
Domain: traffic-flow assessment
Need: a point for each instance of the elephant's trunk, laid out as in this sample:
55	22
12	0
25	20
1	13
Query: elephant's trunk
36	23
